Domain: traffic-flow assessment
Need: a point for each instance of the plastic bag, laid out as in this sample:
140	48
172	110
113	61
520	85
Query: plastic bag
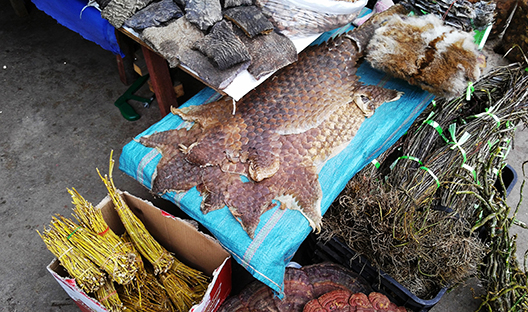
309	17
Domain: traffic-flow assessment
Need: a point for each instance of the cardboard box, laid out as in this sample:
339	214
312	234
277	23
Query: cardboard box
188	245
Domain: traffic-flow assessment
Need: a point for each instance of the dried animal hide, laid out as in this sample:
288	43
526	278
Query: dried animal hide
203	13
102	3
268	53
118	11
173	40
154	14
427	53
250	19
235	3
280	136
222	46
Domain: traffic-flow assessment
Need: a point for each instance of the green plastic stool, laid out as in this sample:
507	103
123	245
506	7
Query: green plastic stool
122	102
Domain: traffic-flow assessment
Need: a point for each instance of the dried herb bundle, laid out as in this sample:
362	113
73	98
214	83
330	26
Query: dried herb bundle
158	256
87	275
107	296
415	216
91	245
93	219
185	286
147	294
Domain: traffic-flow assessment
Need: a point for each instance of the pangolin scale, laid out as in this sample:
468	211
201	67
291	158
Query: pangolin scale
279	136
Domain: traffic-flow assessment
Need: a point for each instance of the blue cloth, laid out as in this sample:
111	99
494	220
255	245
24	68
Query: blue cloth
91	26
281	232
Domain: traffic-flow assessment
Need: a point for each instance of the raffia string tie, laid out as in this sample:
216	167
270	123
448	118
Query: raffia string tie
71	234
472	171
64	253
405	157
469	90
108	296
489	112
438	128
432	175
458	143
104	232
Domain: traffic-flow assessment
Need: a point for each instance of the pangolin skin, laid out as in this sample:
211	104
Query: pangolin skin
279	136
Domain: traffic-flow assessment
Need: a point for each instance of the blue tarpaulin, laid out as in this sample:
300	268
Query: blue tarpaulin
281	232
90	25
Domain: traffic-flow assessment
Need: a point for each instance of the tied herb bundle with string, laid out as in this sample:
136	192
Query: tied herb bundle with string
107	295
146	294
87	275
411	217
102	253
185	286
93	219
158	256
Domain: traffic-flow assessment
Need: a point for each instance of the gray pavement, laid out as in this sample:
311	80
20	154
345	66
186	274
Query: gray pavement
57	125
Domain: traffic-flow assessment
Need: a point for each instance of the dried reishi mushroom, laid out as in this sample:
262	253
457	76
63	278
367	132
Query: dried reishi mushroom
299	290
313	306
359	300
345	301
336	300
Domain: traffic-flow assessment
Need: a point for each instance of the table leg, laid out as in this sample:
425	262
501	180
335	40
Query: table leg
161	81
125	65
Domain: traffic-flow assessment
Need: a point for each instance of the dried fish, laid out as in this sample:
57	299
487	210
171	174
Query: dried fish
222	46
250	19
154	14
203	13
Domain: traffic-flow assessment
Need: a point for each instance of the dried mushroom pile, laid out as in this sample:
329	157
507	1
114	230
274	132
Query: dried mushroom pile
433	213
132	271
318	287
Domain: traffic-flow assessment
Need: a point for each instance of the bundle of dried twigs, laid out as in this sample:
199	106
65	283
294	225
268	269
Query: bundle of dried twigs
96	249
93	219
107	295
185	286
147	294
149	248
88	275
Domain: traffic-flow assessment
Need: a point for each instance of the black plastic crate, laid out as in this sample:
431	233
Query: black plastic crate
338	252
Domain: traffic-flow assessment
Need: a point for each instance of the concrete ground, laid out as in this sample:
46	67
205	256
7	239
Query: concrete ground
57	125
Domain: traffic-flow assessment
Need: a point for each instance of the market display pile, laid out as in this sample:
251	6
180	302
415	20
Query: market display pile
433	211
217	40
132	271
319	287
279	135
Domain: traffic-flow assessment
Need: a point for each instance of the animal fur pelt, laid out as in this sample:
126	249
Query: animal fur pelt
425	52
